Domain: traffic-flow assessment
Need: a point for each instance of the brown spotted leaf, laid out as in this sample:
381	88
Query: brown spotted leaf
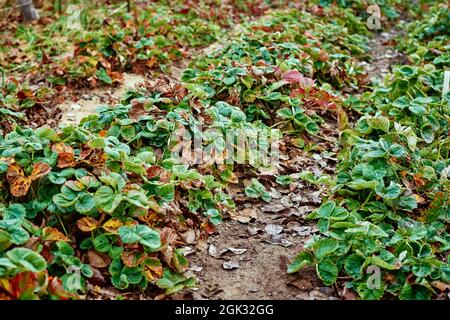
19	184
66	156
40	169
160	172
133	258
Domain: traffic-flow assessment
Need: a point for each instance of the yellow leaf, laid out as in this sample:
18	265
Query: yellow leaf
112	225
419	198
19	184
153	269
87	224
52	234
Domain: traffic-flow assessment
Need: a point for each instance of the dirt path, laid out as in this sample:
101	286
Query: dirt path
247	257
384	54
259	272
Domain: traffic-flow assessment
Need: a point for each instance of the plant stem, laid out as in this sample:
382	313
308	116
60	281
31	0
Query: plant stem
62	224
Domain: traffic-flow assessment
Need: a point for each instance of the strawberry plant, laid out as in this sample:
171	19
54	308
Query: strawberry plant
116	199
391	175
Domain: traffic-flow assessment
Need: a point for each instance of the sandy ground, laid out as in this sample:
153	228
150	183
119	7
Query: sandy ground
74	111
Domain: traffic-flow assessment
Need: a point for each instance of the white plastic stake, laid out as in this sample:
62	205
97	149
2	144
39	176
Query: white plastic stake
445	87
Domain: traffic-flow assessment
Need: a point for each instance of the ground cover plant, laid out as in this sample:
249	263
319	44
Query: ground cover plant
112	201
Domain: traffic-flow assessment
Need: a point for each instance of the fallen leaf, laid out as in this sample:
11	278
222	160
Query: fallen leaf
273	229
440	285
236	250
244	215
230	265
279	241
275	208
201	245
196	268
98	260
302	231
212	251
189	236
302	284
253	230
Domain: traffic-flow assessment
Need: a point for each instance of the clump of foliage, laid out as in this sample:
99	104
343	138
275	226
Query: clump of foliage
106	201
390	204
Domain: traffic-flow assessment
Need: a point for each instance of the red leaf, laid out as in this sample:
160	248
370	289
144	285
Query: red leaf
292	76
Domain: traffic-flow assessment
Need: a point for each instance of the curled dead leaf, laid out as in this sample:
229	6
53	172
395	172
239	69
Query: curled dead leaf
244	215
168	236
189	236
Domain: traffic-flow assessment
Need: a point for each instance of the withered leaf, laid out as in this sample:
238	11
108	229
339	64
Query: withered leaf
112	225
133	258
40	169
157	171
98	260
87	224
19	184
66	156
153	269
52	234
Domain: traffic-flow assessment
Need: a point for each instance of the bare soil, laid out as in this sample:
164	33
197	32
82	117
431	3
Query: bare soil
86	102
262	267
